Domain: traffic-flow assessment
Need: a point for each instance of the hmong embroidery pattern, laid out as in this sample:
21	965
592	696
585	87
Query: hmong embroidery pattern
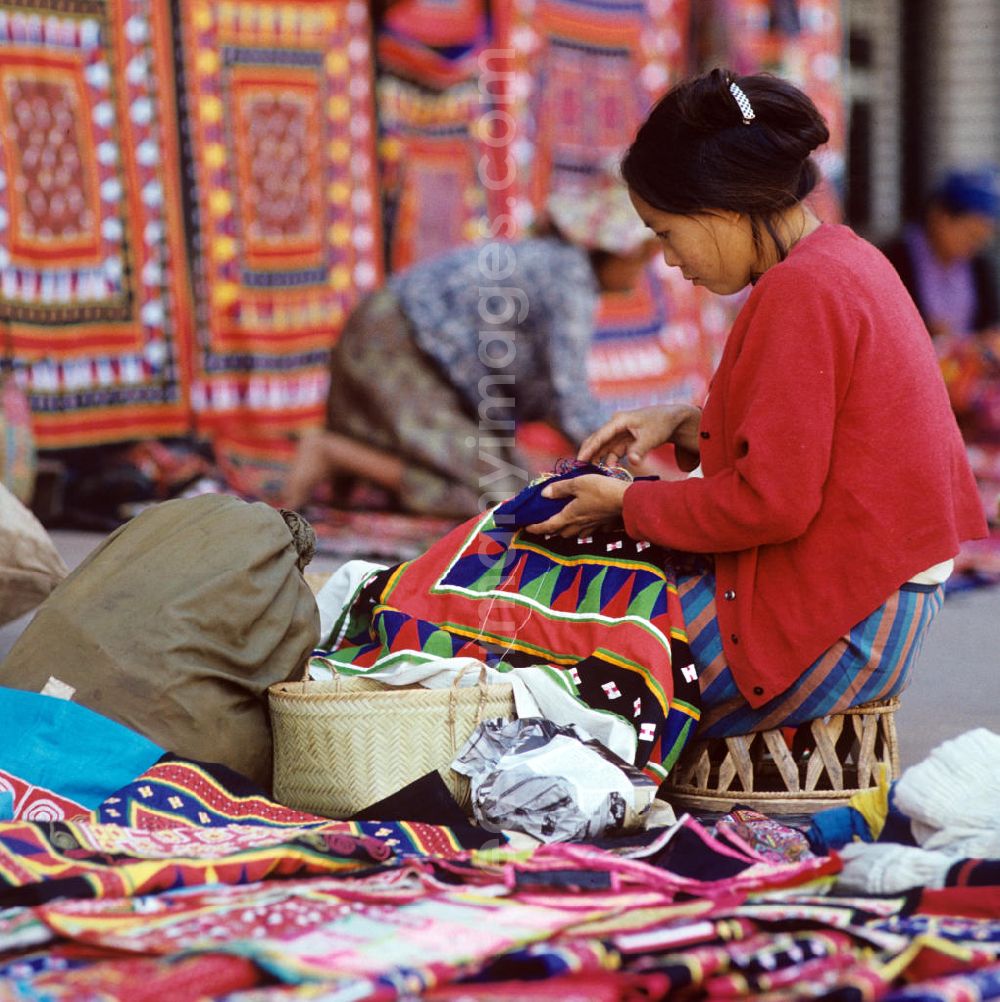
434	199
37	803
282	141
565	49
621	55
92	270
175	791
553	580
603	612
437	94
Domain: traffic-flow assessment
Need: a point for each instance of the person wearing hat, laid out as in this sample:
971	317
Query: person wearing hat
432	373
941	259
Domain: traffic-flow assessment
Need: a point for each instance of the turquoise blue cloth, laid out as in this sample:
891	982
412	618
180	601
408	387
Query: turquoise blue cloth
68	749
6	805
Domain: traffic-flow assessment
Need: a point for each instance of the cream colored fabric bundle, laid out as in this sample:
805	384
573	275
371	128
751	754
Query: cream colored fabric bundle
30	565
952	798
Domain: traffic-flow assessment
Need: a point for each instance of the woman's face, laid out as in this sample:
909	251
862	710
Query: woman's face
713	249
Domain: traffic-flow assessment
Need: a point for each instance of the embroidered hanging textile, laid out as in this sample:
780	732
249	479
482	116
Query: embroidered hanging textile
433	195
281	137
94	300
583	78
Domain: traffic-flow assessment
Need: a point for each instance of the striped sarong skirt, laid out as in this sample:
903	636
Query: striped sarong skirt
871	662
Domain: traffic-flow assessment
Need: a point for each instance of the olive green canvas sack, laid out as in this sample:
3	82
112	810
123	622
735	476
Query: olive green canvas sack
177	624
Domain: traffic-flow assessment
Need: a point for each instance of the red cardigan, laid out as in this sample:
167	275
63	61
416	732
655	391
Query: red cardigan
833	467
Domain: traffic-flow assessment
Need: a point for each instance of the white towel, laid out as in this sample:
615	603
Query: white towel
953	797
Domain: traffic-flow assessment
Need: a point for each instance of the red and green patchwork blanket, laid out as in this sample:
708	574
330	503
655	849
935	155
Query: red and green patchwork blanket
603	609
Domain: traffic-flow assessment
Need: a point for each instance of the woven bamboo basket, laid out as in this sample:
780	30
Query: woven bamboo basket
829	761
343	745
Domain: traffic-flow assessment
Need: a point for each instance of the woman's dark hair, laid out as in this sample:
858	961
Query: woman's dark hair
694	153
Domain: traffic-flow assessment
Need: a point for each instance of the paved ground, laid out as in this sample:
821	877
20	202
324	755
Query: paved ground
956	682
955	686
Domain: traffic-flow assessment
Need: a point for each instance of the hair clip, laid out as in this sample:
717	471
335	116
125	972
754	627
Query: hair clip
746	108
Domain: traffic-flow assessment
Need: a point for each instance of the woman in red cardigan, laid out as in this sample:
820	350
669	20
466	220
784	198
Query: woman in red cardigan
834	489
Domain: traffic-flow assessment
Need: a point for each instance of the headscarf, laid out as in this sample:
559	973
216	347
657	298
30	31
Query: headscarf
598	215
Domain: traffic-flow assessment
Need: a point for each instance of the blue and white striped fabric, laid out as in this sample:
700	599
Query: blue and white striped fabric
872	662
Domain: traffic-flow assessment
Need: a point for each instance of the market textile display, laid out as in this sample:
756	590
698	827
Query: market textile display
213	217
95	306
189	883
432	191
582	79
434	98
279	115
541	105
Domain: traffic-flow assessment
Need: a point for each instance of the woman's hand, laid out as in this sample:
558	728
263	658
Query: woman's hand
631	434
596	502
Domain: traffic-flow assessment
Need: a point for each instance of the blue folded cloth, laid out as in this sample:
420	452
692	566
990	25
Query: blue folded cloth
528	507
835	827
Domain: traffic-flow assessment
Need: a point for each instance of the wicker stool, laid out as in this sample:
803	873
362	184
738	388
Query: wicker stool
829	761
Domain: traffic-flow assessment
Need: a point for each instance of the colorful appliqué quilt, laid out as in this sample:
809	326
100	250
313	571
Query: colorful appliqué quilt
280	905
437	96
430	151
581	80
602	610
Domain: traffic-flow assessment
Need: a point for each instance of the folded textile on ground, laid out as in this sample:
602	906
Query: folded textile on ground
189	882
59	759
943	809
